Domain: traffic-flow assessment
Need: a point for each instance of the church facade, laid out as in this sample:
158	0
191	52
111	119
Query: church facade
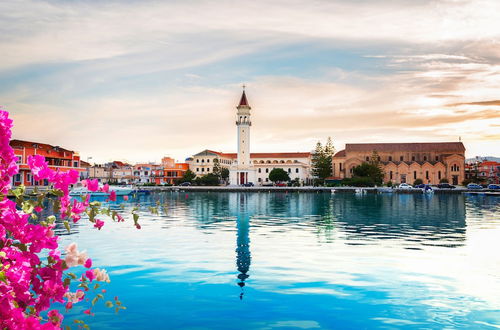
406	162
247	167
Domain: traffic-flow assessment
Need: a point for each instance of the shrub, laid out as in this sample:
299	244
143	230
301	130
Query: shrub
444	180
389	184
417	182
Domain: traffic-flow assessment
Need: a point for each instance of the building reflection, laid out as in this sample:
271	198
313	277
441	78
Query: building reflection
243	255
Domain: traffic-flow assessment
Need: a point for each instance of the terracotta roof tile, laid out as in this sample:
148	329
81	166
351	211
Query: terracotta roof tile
29	144
455	147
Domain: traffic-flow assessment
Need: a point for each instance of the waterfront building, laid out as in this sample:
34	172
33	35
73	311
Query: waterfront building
172	171
100	172
142	173
59	159
245	166
488	172
405	162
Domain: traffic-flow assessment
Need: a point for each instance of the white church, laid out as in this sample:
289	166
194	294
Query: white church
247	167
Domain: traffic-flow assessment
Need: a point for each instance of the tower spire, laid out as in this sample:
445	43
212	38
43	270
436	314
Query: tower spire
243	100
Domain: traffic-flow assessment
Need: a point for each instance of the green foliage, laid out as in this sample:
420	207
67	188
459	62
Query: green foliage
322	160
217	168
418	181
188	176
207	180
466	182
444	180
279	175
224	173
389	184
371	171
358	182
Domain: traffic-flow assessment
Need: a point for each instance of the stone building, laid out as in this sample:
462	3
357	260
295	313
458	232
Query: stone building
406	162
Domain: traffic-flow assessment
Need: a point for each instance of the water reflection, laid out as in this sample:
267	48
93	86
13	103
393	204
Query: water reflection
243	256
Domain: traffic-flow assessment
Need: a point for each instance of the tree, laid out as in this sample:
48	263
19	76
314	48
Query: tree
224	174
188	176
322	160
418	181
371	171
279	175
217	168
209	180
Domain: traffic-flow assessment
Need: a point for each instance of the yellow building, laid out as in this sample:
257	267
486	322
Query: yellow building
406	162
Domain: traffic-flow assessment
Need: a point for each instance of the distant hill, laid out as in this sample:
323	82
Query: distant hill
482	159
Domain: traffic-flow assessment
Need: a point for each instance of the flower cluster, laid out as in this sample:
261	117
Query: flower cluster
30	283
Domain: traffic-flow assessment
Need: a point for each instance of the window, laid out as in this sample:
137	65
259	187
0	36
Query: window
267	179
259	179
289	170
413	158
427	175
400	158
425	158
19	159
75	163
390	158
340	166
390	175
208	160
208	169
17	178
203	169
267	170
260	170
202	160
197	169
146	172
439	175
367	158
414	175
197	160
296	170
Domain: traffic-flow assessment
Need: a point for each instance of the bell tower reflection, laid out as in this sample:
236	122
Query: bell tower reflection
243	256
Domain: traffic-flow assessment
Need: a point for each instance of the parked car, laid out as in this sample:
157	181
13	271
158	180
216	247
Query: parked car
405	186
421	186
474	186
281	184
445	186
248	184
185	184
494	186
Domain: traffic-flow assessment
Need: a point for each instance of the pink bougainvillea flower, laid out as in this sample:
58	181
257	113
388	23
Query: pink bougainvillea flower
38	209
90	275
138	226
92	185
98	224
88	263
105	188
125	198
112	196
88	312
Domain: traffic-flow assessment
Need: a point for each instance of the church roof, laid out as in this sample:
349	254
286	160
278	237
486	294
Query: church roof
456	147
243	100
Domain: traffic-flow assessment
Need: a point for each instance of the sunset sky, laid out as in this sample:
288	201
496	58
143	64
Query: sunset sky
139	80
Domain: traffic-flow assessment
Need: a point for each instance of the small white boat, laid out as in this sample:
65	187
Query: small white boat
120	191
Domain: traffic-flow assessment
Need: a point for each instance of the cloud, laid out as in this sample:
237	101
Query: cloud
480	103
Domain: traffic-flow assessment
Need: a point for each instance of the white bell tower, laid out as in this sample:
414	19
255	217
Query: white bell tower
243	123
242	171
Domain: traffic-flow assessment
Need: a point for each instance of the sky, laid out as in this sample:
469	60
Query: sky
139	80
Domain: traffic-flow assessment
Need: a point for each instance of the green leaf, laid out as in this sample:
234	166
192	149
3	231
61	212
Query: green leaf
72	275
51	219
136	217
109	304
67	281
96	286
3	278
94	300
66	225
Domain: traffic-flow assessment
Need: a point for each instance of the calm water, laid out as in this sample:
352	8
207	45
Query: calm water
300	261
